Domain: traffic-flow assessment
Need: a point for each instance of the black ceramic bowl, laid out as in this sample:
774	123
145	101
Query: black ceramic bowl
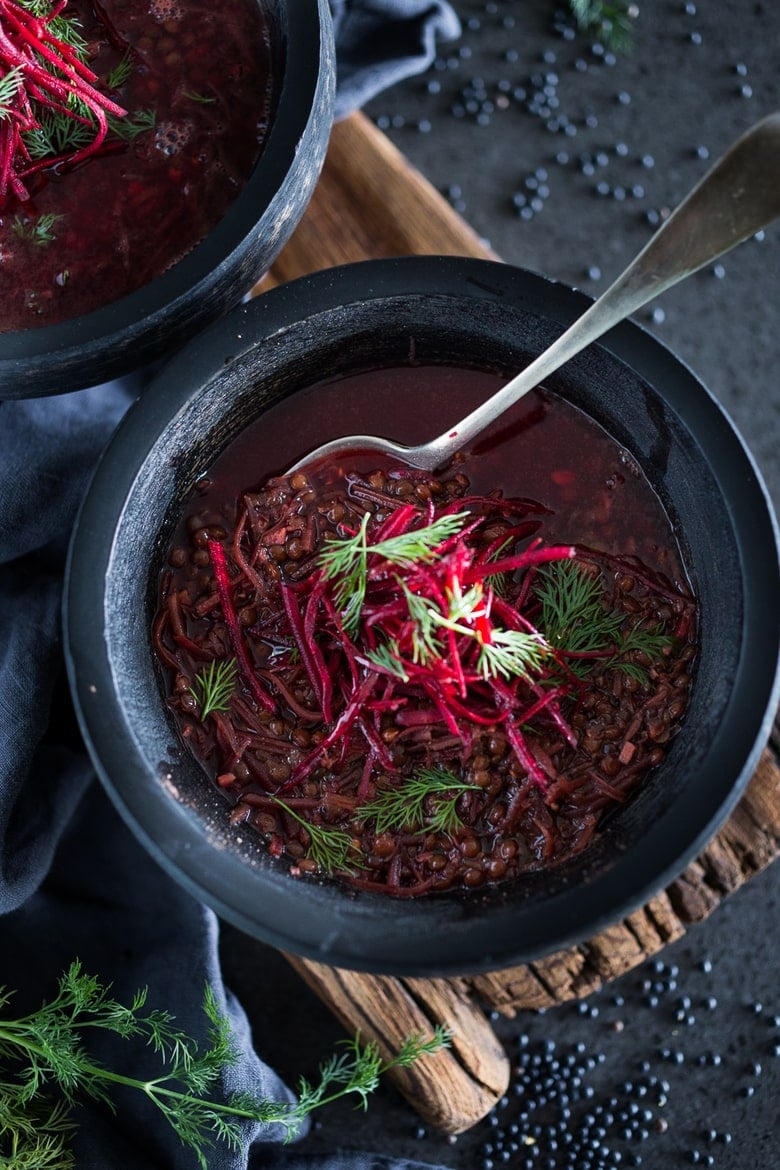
461	312
149	323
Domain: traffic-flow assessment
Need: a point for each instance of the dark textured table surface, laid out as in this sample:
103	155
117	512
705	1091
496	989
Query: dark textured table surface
563	157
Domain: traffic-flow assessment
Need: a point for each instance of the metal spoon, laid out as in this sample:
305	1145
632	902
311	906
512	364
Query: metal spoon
738	196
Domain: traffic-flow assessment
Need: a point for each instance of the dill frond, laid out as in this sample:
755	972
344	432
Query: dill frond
609	21
329	847
45	1068
214	686
575	620
347	559
428	800
36	231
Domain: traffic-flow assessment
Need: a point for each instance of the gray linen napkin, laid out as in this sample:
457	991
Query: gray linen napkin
381	42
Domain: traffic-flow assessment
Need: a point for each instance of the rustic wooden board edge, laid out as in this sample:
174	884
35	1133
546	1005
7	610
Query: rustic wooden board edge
452	1088
370	203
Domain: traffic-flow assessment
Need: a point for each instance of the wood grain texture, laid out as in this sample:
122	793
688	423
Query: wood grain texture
370	203
452	1088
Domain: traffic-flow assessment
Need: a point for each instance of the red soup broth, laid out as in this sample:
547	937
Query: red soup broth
207	73
437	768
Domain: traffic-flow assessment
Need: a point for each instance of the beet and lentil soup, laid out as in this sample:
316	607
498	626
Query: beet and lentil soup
416	682
123	150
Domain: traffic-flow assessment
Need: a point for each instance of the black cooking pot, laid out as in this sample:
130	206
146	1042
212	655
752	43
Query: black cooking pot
460	312
151	322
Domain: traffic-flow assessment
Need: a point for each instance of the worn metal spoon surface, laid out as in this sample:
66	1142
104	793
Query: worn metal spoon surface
737	197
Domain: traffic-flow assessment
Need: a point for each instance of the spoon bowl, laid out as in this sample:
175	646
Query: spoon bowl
737	197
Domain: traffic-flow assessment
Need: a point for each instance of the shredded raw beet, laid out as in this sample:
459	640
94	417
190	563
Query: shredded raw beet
47	71
396	645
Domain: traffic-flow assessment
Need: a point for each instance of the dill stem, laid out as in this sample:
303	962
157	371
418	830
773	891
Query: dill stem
152	1089
156	1089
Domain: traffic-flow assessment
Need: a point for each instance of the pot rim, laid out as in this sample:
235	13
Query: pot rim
464	940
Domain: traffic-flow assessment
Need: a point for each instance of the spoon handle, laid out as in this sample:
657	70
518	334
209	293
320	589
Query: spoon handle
738	196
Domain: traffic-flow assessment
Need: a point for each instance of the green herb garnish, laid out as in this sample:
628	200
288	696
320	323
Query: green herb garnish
347	559
575	620
66	29
356	1070
387	656
425	641
329	846
652	643
132	125
36	231
512	654
121	72
47	1068
52	112
609	21
428	800
214	685
509	653
202	99
57	134
573	616
9	86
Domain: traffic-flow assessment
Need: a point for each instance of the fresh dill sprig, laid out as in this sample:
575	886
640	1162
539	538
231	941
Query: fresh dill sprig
37	231
47	1068
37	7
427	800
329	846
9	85
464	605
358	1068
419	545
202	99
132	125
500	581
639	639
574	619
121	72
425	643
512	654
214	685
609	21
58	134
347	559
65	28
61	132
34	1135
387	656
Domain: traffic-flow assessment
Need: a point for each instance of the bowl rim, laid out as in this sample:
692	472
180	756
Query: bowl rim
303	41
210	874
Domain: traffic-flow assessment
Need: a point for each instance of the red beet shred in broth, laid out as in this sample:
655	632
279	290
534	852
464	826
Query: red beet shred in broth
319	733
131	211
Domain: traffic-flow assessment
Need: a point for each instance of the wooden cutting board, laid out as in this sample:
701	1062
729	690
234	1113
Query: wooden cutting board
370	203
